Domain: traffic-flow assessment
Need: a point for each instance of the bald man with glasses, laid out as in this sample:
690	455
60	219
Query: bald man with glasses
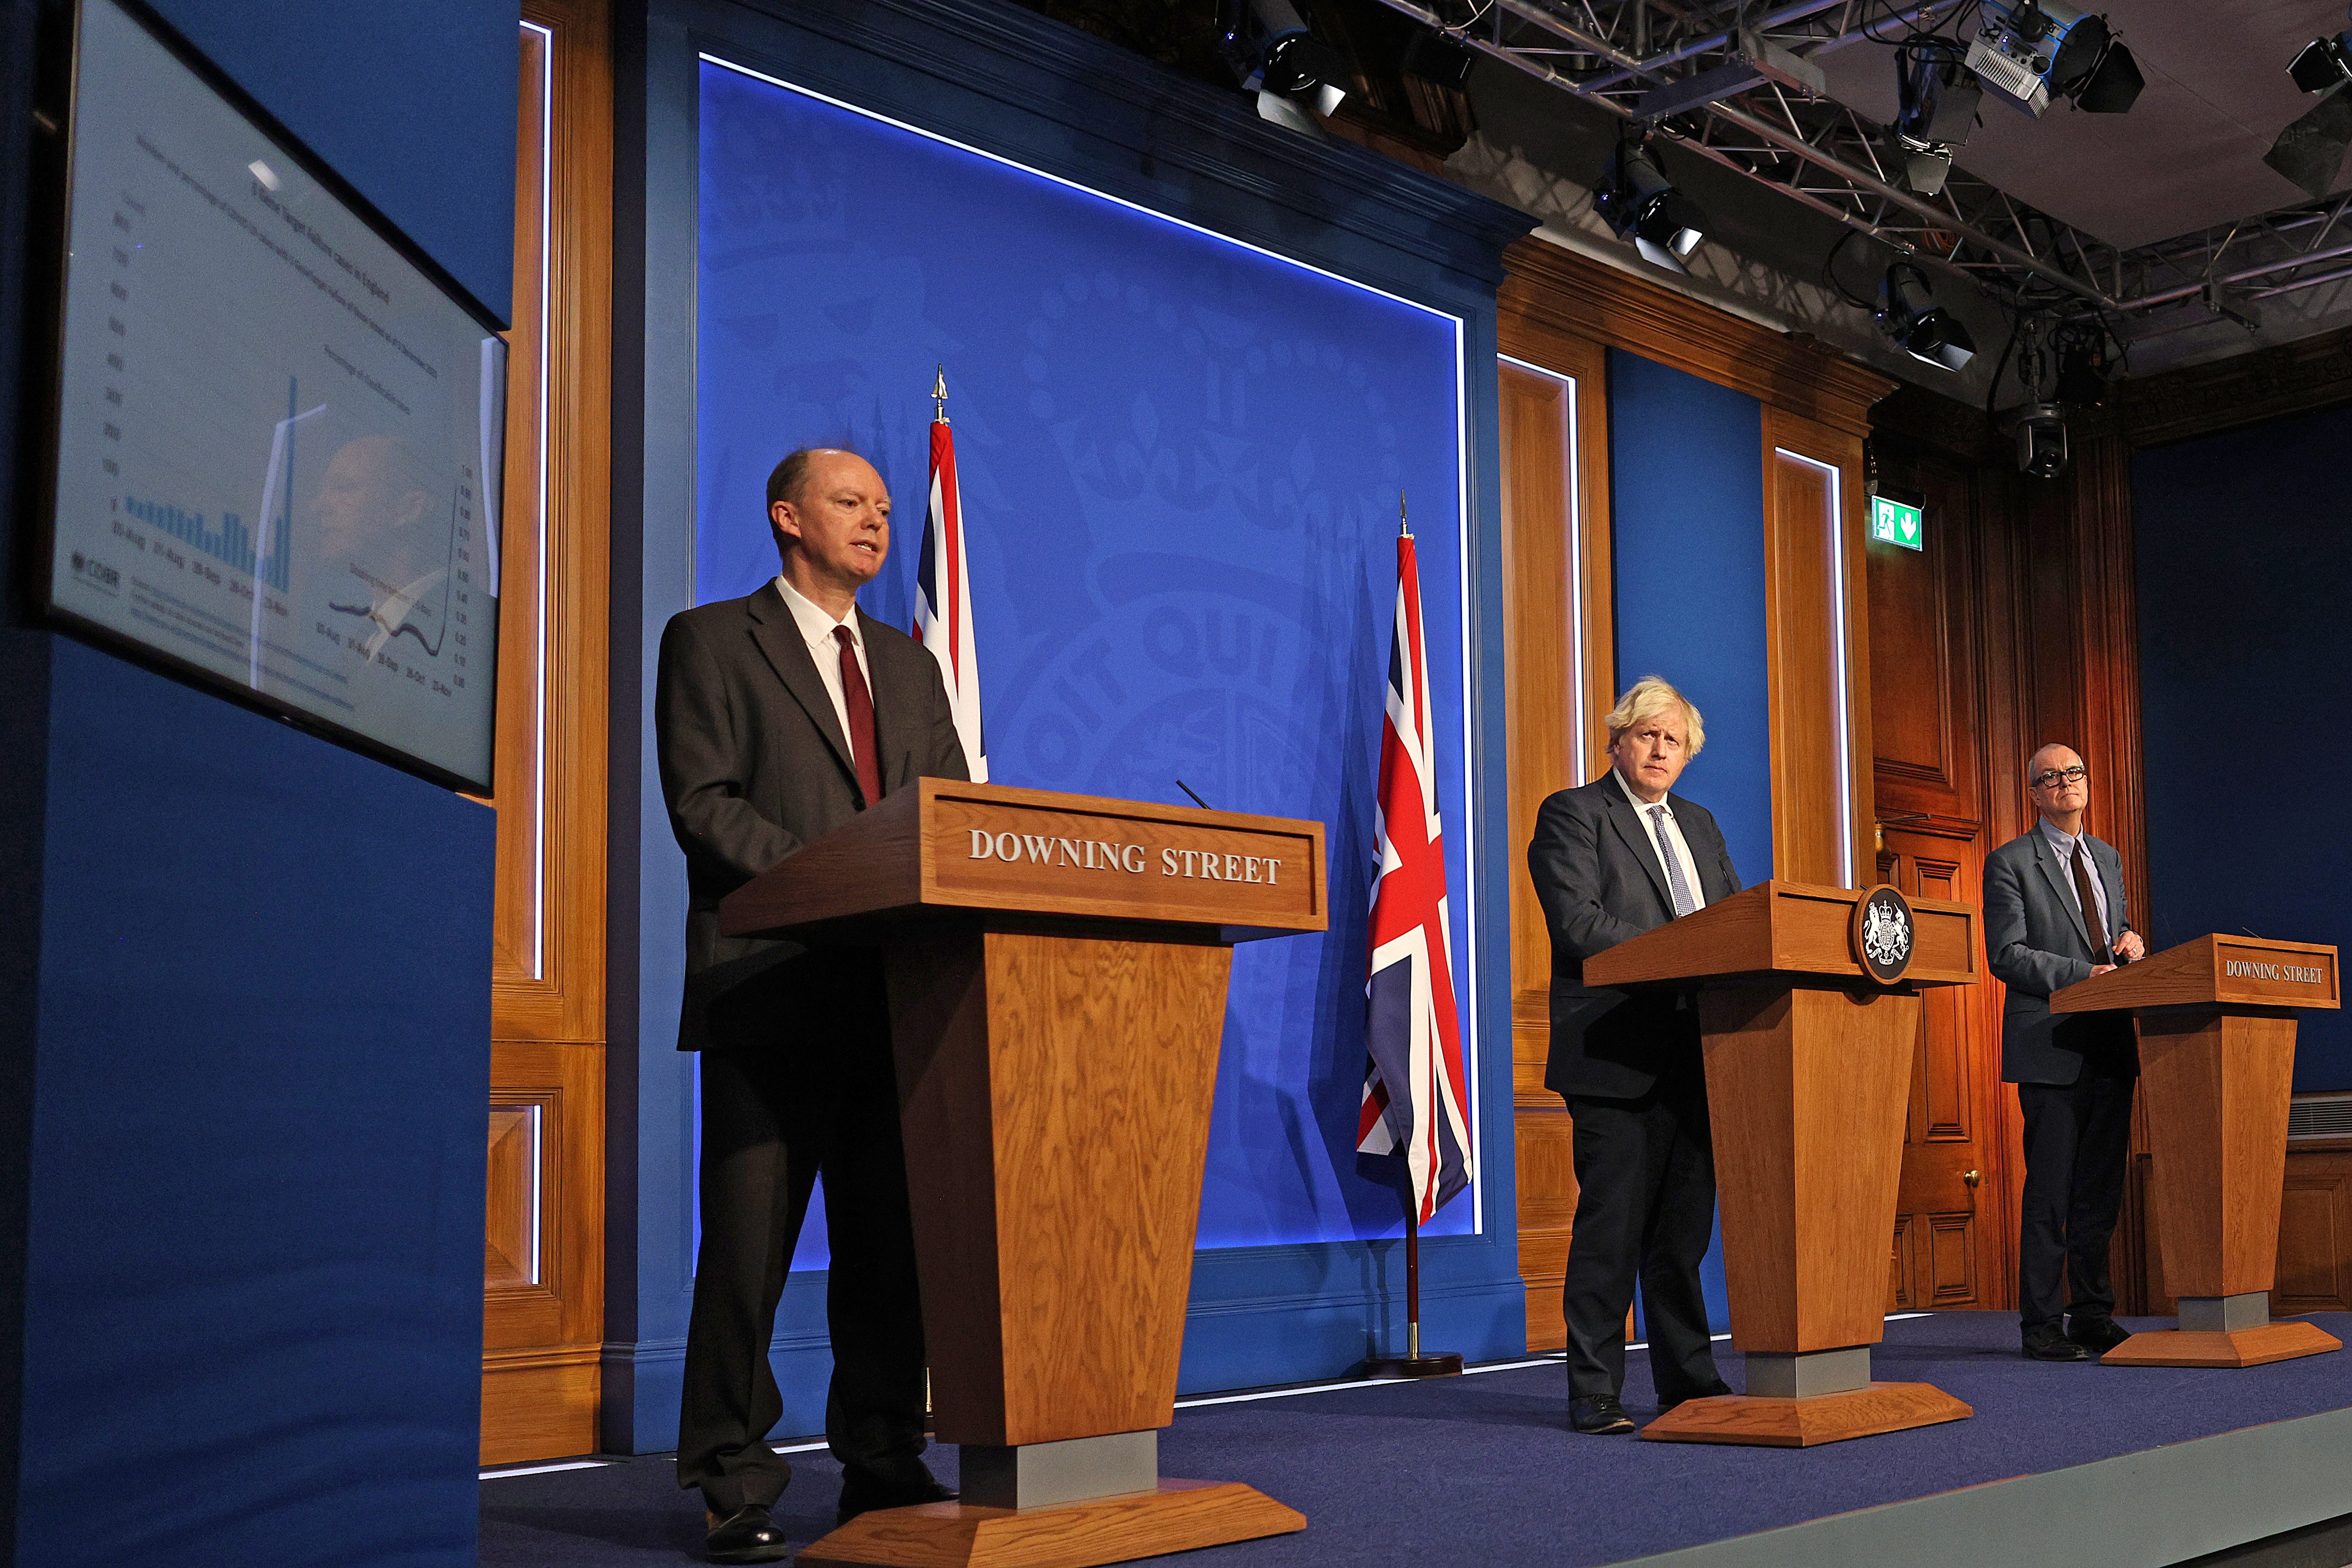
2054	913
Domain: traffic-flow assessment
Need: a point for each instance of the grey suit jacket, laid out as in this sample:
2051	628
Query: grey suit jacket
754	764
1601	882
2037	944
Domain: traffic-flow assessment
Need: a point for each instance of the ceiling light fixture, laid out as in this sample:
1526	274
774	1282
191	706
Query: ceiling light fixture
1643	205
1908	313
1290	69
2030	50
1938	97
2310	151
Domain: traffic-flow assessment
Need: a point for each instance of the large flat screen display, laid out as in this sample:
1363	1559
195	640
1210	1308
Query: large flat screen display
279	428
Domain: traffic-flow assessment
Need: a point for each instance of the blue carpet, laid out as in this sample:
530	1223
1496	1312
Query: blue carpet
1484	1469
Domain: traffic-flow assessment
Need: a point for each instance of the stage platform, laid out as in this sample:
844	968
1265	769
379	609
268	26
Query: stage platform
2075	1464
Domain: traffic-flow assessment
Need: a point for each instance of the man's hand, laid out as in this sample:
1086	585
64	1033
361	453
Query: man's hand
2130	948
2099	969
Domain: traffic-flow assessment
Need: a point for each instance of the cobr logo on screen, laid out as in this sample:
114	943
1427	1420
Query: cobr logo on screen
1882	934
97	574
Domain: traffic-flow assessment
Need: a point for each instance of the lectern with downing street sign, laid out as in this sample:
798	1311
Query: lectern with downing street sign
1808	1008
2215	1023
1056	967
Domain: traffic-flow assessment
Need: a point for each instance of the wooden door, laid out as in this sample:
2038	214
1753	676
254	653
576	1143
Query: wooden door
543	1266
1951	1244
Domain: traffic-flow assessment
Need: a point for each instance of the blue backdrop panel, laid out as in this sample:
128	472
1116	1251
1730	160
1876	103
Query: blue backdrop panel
1687	518
1181	461
2243	640
255	1252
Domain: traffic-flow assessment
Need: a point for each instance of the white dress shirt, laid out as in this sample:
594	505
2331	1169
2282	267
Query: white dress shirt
1671	843
816	626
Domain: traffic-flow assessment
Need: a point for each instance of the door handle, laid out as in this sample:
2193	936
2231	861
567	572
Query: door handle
1972	1177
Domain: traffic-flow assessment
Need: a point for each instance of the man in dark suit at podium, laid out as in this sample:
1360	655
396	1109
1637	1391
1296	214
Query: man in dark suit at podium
777	717
2054	913
1611	860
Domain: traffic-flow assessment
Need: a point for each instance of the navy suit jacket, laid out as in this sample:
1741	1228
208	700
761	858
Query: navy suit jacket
1601	882
2038	943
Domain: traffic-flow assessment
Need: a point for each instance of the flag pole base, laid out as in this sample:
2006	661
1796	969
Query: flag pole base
1442	1365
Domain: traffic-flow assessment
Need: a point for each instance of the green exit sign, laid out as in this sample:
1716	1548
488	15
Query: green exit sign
1896	523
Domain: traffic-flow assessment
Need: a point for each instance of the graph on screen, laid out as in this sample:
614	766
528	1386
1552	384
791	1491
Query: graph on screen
278	435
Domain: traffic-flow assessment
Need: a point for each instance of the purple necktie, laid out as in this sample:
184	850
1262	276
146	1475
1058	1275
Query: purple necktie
864	745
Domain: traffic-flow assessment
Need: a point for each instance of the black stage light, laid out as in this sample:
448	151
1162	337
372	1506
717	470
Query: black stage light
2310	151
1938	98
2034	49
2322	63
1920	327
1641	203
2041	440
2083	369
1274	54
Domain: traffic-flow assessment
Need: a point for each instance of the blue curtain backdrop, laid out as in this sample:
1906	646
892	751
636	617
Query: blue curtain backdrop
1180	462
2242	632
1686	524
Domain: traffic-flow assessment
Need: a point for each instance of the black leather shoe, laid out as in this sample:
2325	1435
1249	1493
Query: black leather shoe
747	1535
2097	1335
1599	1416
902	1486
2046	1343
1719	1391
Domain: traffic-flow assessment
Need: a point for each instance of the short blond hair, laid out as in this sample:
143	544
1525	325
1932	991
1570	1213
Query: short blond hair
1646	699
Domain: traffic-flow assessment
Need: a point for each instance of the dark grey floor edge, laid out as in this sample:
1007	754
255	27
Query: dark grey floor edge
2152	1508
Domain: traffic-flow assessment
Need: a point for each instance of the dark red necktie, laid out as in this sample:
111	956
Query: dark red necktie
864	746
2089	899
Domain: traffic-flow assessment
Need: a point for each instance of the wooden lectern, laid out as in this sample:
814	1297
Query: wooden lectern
2216	1023
1809	1066
1056	967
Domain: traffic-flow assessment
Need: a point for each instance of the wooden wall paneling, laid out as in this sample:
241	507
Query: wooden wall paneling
1816	593
1548	430
2314	1252
543	1290
543	1271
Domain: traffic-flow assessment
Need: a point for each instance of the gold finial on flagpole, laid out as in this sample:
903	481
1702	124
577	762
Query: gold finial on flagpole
1405	528
940	397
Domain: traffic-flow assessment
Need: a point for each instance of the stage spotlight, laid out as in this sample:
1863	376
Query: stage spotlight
2310	151
1641	203
2031	49
2041	440
1920	327
1938	98
1439	58
1275	56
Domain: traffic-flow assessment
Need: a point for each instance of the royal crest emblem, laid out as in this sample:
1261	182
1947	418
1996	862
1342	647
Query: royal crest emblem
1882	934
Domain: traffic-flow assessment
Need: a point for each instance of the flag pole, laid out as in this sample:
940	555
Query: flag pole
1412	1363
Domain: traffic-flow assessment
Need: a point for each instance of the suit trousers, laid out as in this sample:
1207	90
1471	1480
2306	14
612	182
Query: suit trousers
818	1097
1645	1210
2078	1143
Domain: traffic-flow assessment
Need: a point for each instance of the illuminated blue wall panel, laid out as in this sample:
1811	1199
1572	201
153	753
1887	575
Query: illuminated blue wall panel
1181	458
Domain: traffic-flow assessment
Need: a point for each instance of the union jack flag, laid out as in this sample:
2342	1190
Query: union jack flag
943	591
1415	1094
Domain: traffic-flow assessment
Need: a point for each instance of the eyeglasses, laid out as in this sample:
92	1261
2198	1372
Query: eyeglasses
2051	778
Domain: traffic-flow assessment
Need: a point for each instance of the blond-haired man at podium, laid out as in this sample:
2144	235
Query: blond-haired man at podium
1611	860
2054	913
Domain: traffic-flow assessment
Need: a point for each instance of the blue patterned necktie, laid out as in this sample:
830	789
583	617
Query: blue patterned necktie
1683	902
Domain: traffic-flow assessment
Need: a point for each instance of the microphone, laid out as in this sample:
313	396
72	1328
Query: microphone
1203	804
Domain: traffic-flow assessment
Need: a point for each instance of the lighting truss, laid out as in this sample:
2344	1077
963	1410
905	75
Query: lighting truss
1818	152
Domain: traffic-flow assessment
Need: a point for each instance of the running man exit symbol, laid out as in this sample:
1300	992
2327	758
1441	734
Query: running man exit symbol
1896	523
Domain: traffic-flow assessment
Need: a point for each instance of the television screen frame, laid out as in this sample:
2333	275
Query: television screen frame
58	99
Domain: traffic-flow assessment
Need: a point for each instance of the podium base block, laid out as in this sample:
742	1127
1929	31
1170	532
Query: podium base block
1181	1516
2237	1347
1770	1423
1446	1365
